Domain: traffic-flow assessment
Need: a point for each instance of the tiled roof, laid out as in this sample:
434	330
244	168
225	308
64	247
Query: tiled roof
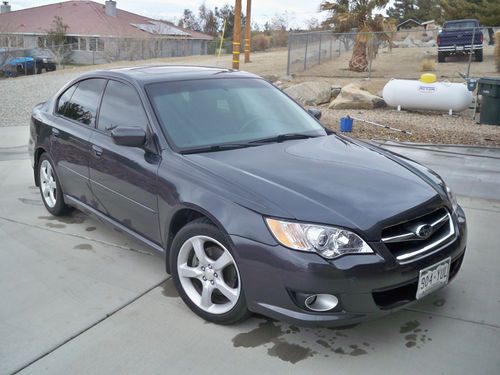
87	18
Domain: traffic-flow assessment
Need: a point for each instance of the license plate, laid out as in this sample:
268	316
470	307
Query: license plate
433	277
460	48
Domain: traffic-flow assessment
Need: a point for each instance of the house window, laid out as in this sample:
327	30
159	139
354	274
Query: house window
82	44
96	44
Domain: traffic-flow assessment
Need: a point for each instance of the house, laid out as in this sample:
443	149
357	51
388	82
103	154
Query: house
98	33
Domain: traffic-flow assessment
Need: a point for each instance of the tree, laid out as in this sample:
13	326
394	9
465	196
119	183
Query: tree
346	14
208	21
402	10
189	21
56	38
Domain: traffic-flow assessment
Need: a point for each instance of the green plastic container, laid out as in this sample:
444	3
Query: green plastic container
489	88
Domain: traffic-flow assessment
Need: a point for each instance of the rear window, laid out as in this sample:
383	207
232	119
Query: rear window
460	25
82	106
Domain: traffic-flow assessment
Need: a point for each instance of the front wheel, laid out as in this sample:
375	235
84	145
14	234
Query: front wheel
206	275
441	57
478	55
50	188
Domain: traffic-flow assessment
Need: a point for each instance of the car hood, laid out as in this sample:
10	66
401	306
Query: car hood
327	179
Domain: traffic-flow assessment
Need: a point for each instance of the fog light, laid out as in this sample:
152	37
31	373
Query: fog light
321	302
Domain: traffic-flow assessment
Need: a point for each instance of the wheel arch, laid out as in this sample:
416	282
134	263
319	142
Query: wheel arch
180	218
37	154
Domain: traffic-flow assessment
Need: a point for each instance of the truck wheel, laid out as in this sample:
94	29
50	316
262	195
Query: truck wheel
441	57
478	55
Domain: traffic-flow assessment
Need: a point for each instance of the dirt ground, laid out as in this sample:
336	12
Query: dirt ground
428	127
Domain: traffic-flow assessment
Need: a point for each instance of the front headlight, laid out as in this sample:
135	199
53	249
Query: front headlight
329	242
452	197
44	60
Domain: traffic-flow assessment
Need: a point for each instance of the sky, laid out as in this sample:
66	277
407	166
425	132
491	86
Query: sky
298	11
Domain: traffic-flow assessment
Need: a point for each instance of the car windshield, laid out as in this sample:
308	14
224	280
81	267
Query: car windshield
460	25
205	113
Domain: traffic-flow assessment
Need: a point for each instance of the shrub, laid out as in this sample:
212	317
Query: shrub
497	50
279	38
428	64
260	42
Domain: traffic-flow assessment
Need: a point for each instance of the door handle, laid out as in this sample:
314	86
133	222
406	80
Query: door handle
97	150
55	132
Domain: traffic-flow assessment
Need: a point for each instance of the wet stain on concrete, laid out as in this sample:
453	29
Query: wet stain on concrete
323	343
414	337
439	302
263	334
409	326
274	336
169	289
90	229
55	225
31	202
76	217
84	246
292	353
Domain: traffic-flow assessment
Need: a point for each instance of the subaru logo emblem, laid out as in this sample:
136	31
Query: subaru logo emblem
423	231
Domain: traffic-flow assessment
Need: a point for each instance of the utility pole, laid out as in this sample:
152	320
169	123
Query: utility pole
237	35
248	31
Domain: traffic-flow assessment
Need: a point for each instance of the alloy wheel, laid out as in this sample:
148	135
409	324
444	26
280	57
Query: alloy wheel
48	183
208	274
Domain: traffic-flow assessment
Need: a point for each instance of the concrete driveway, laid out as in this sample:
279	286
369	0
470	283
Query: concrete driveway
78	297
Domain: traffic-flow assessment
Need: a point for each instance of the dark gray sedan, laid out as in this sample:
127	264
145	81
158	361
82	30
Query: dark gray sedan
254	204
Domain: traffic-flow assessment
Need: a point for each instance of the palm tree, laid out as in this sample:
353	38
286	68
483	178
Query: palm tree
348	14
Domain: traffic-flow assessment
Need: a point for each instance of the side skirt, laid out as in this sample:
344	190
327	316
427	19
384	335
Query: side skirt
89	210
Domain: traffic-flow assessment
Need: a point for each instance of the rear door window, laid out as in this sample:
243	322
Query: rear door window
82	106
64	99
121	107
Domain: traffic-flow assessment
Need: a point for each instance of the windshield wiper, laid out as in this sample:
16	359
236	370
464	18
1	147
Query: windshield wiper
214	148
283	137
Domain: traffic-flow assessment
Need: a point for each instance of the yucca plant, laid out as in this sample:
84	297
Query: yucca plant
348	14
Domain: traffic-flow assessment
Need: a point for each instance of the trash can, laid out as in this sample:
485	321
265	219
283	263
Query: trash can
346	124
489	88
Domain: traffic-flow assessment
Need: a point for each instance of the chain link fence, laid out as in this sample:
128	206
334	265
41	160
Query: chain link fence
403	53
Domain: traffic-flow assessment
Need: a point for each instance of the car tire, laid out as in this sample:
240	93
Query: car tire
50	187
441	57
478	55
206	275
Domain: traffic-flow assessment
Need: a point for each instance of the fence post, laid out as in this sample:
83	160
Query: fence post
331	47
319	55
305	54
471	50
289	53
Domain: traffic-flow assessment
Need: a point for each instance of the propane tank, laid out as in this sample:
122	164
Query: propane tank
427	94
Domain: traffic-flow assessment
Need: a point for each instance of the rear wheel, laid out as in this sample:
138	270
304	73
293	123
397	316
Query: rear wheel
50	188
478	55
206	275
441	57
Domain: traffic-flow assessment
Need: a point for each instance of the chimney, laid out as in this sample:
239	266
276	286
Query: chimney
110	6
5	7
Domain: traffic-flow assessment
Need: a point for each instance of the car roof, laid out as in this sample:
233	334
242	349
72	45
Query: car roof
161	73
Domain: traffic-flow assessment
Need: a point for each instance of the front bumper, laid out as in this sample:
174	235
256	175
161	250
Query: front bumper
367	285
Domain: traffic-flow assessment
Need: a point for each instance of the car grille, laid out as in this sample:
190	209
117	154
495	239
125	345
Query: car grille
394	297
413	239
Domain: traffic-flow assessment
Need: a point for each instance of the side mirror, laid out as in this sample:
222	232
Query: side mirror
132	137
315	112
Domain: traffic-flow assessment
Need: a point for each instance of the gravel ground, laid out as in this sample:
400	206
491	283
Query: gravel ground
425	127
19	95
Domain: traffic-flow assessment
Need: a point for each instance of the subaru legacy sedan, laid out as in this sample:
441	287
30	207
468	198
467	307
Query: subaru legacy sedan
255	205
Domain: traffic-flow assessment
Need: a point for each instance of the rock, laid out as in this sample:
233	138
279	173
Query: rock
353	96
311	92
430	43
335	91
287	78
270	77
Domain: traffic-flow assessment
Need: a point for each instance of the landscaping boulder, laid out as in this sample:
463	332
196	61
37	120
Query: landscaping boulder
311	92
335	91
353	96
270	77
